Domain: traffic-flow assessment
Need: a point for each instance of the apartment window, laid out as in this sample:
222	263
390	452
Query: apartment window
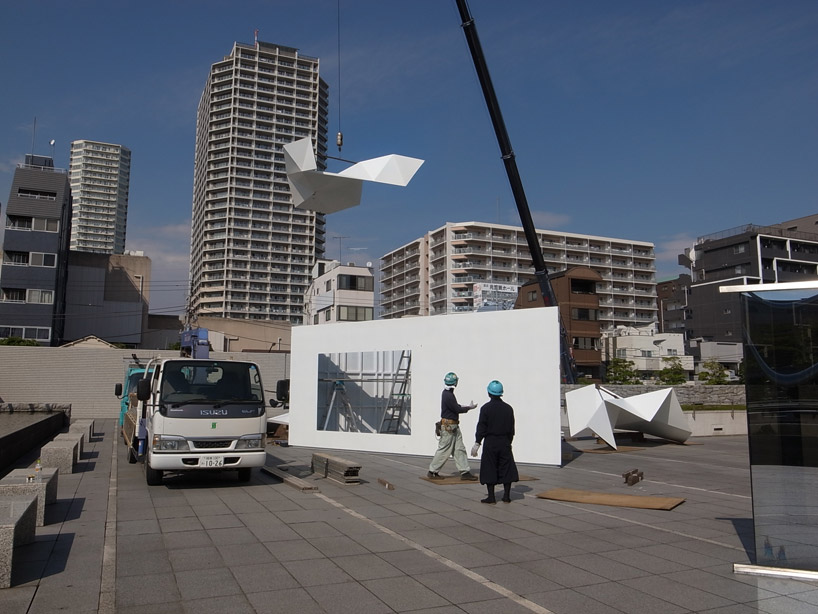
354	314
47	225
532	296
622	353
14	295
18	222
327	315
41	259
586	343
329	285
584	314
672	352
356	282
739	249
15	258
43	297
315	319
646	353
37	333
25	193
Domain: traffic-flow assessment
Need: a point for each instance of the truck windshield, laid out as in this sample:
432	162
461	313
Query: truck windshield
185	382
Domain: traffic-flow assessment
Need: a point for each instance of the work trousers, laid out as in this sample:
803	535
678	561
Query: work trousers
450	444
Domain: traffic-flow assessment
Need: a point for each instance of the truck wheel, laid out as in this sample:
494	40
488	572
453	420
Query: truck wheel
244	474
152	476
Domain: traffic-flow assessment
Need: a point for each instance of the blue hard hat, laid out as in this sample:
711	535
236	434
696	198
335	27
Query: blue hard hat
450	379
495	388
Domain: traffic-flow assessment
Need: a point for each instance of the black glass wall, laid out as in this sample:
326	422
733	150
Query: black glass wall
781	375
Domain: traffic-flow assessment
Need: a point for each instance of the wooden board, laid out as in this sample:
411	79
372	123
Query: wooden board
617	500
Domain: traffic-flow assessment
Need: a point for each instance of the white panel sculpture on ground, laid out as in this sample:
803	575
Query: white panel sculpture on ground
330	192
354	387
656	413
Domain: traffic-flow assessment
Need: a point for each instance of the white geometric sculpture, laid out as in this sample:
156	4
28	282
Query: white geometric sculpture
330	192
656	413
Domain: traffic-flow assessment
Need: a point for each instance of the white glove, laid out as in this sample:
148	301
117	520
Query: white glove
475	449
472	405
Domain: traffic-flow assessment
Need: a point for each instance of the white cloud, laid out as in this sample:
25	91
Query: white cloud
546	220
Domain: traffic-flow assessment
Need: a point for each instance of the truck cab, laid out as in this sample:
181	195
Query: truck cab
198	414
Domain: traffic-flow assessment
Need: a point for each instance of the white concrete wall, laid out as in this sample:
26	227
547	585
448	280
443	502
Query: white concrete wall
519	348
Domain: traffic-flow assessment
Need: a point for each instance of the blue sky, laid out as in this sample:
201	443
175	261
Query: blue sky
646	120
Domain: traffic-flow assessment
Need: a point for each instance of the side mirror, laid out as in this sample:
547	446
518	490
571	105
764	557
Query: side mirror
283	390
143	389
118	389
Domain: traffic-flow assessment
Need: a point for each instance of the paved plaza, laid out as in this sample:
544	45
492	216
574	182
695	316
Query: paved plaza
205	543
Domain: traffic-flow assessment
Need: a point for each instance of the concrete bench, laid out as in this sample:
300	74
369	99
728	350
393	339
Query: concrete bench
60	453
16	484
73	436
18	518
83	426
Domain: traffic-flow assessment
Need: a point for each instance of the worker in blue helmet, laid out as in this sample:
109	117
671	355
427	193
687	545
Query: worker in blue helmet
450	442
495	431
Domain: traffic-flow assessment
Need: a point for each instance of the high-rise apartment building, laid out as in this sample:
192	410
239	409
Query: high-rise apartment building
251	251
450	268
35	253
100	178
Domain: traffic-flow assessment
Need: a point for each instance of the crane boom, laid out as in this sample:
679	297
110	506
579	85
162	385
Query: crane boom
540	270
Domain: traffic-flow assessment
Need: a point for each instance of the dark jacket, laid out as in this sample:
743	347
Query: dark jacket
449	407
495	430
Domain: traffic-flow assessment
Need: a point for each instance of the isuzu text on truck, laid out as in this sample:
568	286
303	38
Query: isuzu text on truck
190	415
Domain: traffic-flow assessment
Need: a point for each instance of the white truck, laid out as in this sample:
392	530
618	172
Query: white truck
194	414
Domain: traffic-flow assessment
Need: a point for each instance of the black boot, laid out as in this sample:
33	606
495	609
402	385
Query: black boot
490	498
507	493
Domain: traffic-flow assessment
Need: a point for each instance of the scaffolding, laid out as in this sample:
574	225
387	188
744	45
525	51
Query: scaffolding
394	411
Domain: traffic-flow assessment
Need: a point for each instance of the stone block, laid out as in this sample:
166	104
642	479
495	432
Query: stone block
73	436
83	426
16	484
18	519
61	454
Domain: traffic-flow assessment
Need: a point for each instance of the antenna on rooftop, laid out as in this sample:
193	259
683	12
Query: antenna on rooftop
255	38
33	135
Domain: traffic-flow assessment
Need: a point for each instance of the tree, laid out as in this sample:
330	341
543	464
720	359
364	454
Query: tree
18	341
673	372
621	371
712	373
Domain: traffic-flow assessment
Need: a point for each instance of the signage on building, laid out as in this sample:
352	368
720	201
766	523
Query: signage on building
490	297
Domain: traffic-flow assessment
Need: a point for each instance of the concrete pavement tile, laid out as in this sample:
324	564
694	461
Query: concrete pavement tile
293	550
646	562
175	511
139	543
729	588
143	563
313	572
348	597
203	557
131	590
567	601
547	546
629	600
16	599
339	545
222	521
235	555
784	605
413	562
515	579
263	577
562	573
175	607
404	593
683	595
430	537
285	600
186	539
315	529
739	608
210	509
605	567
185	523
137	527
510	552
273	531
366	566
206	583
493	606
468	555
455	587
381	542
234	604
233	535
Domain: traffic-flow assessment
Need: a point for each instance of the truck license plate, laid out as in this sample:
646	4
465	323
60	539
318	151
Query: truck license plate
211	461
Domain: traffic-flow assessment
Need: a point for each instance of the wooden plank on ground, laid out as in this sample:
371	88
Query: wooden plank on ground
614	499
290	480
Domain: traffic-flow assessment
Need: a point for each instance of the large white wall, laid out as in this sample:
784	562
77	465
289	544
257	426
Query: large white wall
520	348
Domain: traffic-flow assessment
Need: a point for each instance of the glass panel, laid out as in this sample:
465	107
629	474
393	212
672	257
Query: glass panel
781	371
